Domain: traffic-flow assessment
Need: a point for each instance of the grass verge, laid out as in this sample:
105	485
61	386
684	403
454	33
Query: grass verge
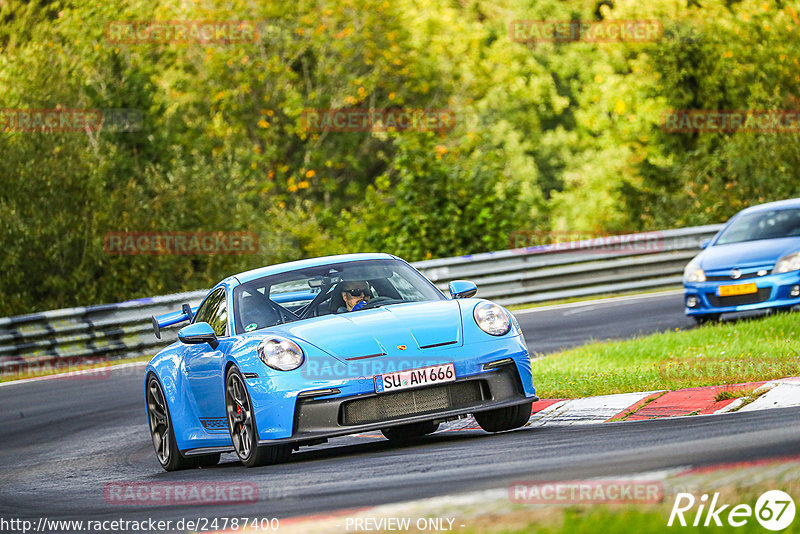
728	353
728	394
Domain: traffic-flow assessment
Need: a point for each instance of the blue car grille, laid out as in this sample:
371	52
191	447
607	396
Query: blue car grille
739	300
414	402
727	277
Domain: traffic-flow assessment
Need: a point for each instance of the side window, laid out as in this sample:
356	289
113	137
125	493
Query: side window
214	312
220	320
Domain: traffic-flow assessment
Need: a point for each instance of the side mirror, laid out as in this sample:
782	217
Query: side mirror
197	333
704	243
462	289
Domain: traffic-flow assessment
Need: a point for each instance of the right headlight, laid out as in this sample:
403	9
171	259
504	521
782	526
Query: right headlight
693	273
788	263
492	319
281	353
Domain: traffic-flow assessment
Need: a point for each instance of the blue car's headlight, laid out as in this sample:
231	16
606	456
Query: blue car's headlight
693	273
492	319
788	263
280	353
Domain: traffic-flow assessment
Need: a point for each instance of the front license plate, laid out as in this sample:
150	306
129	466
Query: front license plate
740	289
415	378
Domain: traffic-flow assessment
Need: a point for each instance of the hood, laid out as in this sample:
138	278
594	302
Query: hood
747	254
417	325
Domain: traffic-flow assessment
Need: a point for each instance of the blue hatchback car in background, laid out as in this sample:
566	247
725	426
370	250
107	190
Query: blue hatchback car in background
752	263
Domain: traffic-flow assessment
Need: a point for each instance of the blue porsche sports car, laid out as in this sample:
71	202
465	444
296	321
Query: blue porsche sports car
752	263
293	354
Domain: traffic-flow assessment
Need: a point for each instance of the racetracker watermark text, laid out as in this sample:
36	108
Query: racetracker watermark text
180	493
585	491
361	367
378	120
722	121
62	368
181	31
58	120
586	31
556	241
185	243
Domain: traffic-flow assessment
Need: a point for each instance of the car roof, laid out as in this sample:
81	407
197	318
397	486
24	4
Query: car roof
301	264
777	205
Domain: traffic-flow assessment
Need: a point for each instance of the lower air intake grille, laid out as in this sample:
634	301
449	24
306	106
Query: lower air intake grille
414	402
740	300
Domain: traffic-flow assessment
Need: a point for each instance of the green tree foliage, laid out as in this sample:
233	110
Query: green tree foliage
562	136
716	56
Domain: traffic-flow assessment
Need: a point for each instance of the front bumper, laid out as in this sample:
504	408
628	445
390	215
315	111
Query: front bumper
317	419
774	291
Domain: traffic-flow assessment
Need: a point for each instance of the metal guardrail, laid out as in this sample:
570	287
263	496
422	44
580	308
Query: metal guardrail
102	332
563	270
525	275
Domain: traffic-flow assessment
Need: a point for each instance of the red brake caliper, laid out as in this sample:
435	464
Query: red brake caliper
238	412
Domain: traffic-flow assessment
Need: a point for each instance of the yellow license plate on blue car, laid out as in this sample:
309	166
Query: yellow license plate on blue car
738	289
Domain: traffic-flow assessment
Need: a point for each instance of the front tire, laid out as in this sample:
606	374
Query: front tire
410	431
242	425
161	430
501	419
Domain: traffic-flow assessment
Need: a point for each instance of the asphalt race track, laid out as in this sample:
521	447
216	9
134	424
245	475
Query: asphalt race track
64	440
549	329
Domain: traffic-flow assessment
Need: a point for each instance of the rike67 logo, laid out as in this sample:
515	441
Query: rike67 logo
774	510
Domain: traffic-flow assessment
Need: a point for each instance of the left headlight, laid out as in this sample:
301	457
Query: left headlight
693	273
281	353
788	263
492	319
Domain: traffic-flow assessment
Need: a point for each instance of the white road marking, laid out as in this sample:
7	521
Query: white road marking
583	310
732	407
782	393
586	411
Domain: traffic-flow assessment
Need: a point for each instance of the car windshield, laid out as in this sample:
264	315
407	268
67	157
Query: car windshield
762	225
317	291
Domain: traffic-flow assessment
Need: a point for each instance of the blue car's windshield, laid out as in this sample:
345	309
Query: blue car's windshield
762	225
328	289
